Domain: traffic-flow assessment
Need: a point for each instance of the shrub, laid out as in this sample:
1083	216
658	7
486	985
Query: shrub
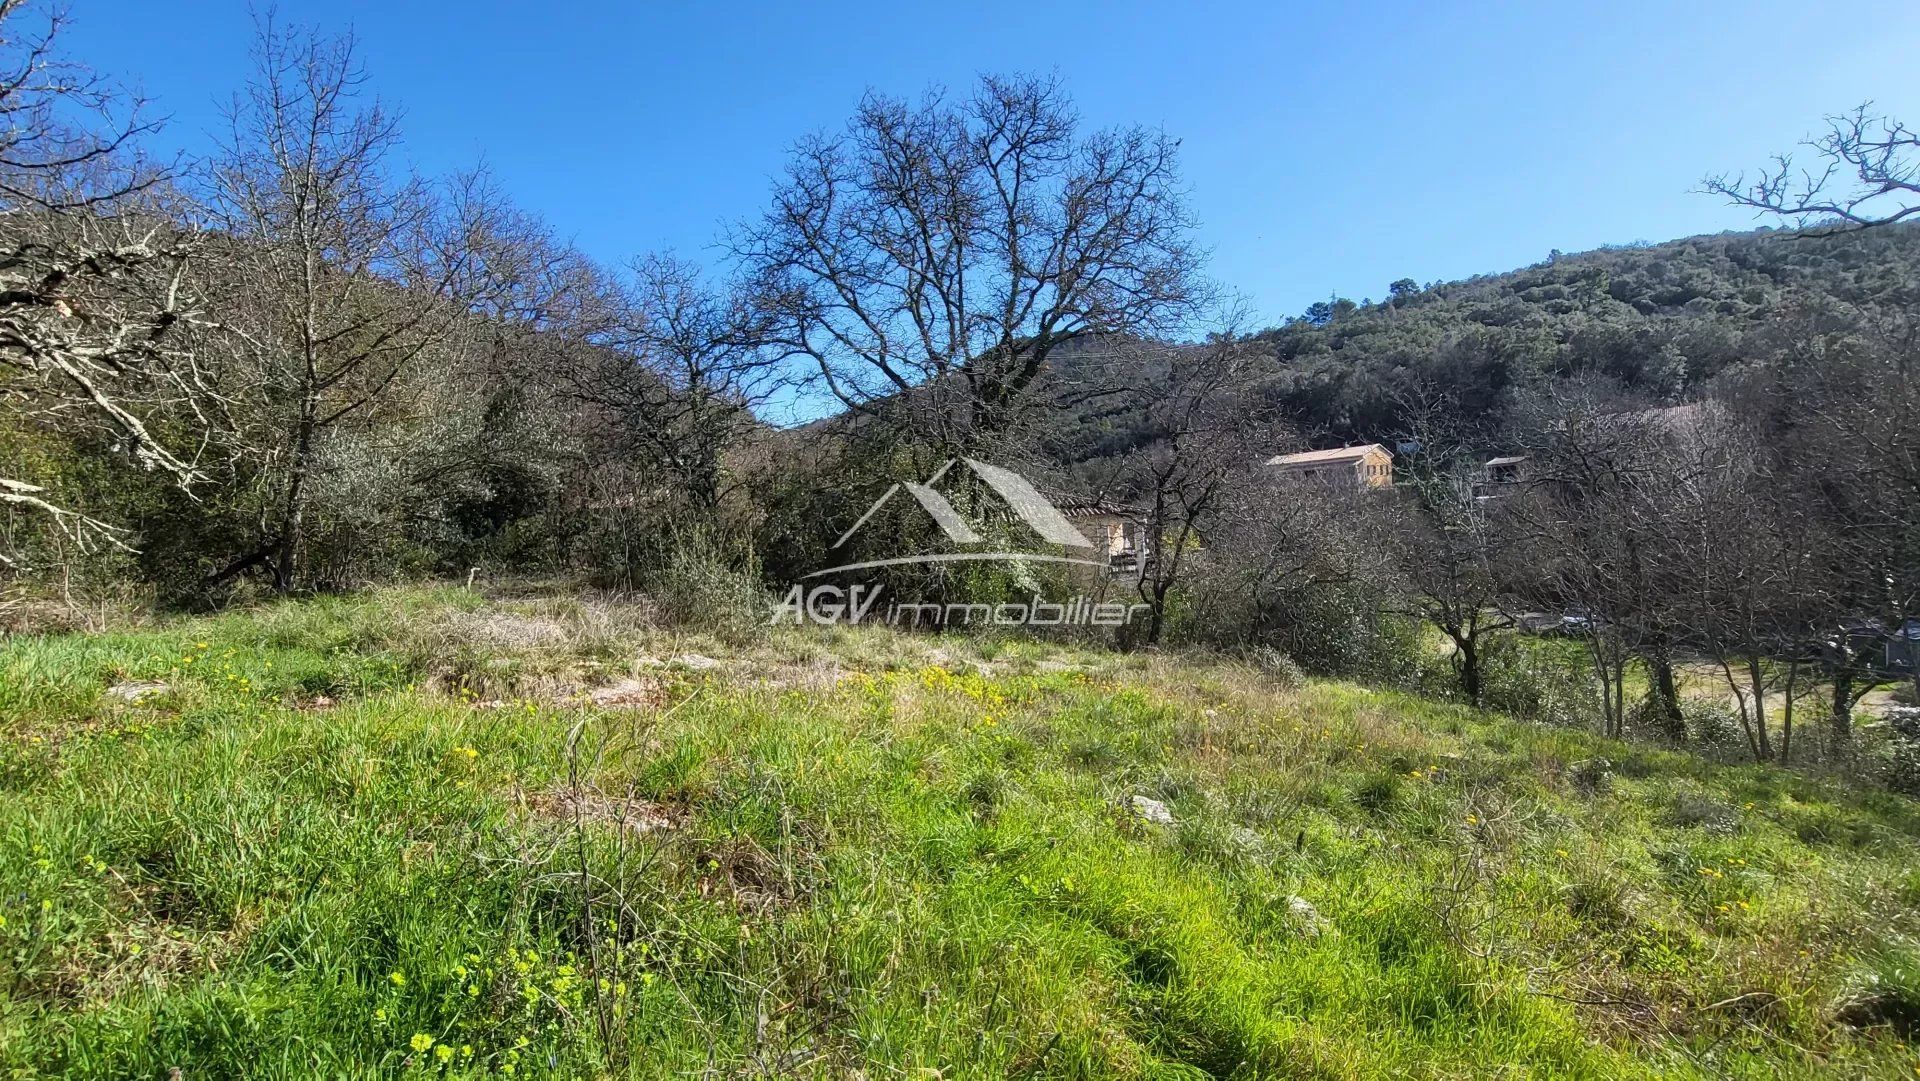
697	581
1897	762
1276	666
1714	725
1535	681
1324	628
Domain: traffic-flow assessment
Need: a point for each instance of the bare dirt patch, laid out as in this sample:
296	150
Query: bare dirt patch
641	692
587	804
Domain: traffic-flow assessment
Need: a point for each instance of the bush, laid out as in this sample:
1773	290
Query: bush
1535	680
1337	629
1276	666
1897	764
1714	725
696	581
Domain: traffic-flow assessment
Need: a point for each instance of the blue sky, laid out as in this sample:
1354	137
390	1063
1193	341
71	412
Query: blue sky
1328	148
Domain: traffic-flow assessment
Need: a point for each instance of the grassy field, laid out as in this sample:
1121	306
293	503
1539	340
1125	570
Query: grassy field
425	833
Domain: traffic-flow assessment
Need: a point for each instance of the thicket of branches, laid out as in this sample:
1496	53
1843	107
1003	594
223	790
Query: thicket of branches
299	365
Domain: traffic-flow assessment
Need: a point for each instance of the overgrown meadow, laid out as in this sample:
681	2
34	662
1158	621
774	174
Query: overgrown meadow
423	833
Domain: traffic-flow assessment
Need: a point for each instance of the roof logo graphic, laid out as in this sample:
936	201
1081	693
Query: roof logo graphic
1021	496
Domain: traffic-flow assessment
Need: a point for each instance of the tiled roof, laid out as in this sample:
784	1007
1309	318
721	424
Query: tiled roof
1084	507
1319	457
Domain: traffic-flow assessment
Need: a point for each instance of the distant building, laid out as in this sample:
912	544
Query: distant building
1369	466
1511	470
1892	653
1114	528
1903	648
1500	476
1692	421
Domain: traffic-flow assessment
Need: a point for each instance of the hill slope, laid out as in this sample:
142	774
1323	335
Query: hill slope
403	833
1661	320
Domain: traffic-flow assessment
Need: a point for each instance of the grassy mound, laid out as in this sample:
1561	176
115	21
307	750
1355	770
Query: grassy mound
421	833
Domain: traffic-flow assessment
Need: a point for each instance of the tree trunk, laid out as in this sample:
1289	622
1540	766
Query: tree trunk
1756	682
1666	692
1840	716
293	514
1617	712
1156	612
1469	647
1786	713
1611	668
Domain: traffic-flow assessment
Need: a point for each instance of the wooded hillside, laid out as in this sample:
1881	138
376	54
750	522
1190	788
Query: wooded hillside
1657	321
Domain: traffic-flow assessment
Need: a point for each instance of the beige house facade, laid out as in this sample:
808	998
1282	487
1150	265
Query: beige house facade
1367	466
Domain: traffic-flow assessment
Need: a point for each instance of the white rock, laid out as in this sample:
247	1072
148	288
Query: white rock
628	693
136	690
1307	918
1151	810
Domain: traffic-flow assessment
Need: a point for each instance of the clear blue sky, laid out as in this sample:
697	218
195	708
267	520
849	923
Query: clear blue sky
1328	147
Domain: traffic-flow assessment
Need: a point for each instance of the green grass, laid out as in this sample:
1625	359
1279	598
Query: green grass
387	835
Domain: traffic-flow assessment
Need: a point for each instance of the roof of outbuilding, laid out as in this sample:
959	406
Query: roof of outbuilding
1089	507
1319	457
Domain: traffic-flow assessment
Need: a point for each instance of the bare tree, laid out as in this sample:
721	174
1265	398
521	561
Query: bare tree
1590	526
1867	174
1206	432
1731	568
1294	567
1448	544
345	272
94	319
1836	414
677	370
922	266
1851	412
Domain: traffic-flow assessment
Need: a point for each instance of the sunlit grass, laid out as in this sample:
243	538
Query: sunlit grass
388	834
